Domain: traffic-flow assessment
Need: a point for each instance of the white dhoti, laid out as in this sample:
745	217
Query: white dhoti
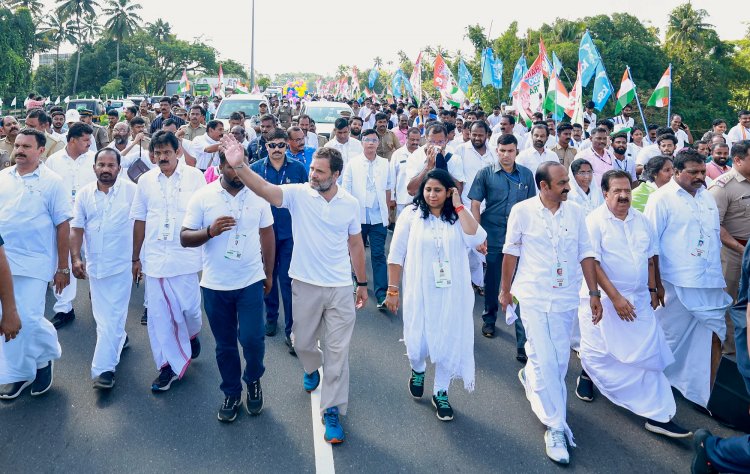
575	335
64	301
626	360
174	318
109	303
548	351
689	319
36	343
476	267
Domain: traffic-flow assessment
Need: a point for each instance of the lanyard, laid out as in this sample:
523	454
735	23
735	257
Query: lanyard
548	218
236	214
438	237
693	204
74	167
110	198
511	178
600	157
163	185
619	166
283	172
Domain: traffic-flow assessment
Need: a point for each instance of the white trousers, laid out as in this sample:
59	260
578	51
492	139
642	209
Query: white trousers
419	364
64	301
476	268
174	318
109	303
548	351
36	343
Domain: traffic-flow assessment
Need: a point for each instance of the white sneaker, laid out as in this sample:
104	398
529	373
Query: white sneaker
556	446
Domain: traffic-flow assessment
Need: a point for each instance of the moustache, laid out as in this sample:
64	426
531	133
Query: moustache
565	191
700	181
623	200
163	162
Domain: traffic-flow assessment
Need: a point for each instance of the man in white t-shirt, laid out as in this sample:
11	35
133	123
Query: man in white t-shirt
326	233
681	132
494	118
235	228
741	131
343	143
537	153
433	154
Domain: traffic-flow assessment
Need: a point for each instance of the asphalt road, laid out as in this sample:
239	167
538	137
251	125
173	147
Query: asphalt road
74	428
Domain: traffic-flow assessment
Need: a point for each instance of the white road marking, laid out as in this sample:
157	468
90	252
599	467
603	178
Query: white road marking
323	450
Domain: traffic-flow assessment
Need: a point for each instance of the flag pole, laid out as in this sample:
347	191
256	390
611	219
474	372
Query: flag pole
638	101
669	100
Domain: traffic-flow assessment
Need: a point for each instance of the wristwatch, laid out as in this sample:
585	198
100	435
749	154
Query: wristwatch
596	293
64	271
361	283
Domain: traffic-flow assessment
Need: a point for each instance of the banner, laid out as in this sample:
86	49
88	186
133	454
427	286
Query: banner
602	87
416	80
588	58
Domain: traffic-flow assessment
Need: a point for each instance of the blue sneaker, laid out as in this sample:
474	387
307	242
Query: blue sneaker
311	381
334	431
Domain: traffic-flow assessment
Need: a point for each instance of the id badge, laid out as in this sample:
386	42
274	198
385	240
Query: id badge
701	248
235	246
560	278
166	229
442	273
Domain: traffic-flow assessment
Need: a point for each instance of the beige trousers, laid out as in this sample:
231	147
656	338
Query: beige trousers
731	264
327	314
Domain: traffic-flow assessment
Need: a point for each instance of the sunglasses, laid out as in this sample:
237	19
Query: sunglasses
273	146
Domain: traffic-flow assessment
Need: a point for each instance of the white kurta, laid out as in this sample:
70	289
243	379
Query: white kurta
626	360
440	316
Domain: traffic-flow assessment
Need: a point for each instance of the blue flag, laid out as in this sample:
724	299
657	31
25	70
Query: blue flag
373	77
407	84
602	87
497	73
556	64
464	76
487	64
396	84
589	58
518	73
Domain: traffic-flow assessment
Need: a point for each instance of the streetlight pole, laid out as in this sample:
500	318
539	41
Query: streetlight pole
252	50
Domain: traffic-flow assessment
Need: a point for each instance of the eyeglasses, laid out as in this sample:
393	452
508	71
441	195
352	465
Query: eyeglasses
370	140
273	146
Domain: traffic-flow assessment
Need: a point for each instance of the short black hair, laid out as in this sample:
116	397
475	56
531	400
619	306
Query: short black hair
212	124
722	145
165	99
137	121
169	122
590	104
743	112
235	116
340	123
41	139
304	116
351	120
161	138
563	127
276	134
481	124
437	129
267	117
542	173
539	126
132	109
511	119
507	139
575	166
335	161
113	113
666	136
79	129
610	125
620	135
38	114
717	122
108	150
687	155
653	166
609	175
740	149
653	126
380	116
663	131
369	131
199	109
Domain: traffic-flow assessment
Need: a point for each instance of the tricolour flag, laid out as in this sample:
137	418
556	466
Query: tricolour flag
557	98
184	86
626	94
660	97
575	100
416	80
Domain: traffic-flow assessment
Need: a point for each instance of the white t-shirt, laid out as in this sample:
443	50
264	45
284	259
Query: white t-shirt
252	213
321	231
74	173
531	159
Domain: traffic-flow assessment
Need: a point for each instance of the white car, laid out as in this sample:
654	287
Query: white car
247	103
325	114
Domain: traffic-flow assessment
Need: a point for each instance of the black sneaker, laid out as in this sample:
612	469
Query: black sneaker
43	380
271	329
163	382
416	384
61	319
701	464
9	391
105	380
144	318
585	388
288	342
488	330
521	355
381	305
195	347
229	409
443	408
127	342
478	289
254	399
669	429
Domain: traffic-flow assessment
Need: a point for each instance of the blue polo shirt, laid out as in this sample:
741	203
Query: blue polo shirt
292	171
304	157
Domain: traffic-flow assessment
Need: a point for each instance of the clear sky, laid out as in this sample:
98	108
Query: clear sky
317	36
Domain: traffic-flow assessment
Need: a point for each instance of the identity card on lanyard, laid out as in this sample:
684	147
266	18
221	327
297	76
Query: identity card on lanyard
236	240
168	222
701	245
555	231
441	267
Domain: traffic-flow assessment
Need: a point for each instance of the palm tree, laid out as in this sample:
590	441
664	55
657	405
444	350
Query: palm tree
90	29
122	22
159	30
686	27
77	9
378	62
59	31
402	56
34	6
439	50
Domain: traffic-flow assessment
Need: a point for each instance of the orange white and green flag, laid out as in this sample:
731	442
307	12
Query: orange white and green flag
660	97
626	94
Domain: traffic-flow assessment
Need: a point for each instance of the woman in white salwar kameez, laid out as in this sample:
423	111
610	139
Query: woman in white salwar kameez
430	244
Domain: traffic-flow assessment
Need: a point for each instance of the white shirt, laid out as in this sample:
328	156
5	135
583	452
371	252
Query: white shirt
166	258
472	162
622	247
531	159
348	150
321	231
368	182
107	227
31	207
493	119
646	153
136	152
204	160
682	139
531	235
496	133
737	133
398	176
416	161
251	213
74	173
311	140
684	224
592	120
627	164
520	130
625	123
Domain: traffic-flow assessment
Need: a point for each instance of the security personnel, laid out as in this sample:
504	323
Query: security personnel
39	120
732	194
100	139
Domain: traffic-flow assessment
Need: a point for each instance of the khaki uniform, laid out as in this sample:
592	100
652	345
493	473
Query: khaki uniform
100	136
7	154
388	144
52	146
565	155
732	194
150	117
191	133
